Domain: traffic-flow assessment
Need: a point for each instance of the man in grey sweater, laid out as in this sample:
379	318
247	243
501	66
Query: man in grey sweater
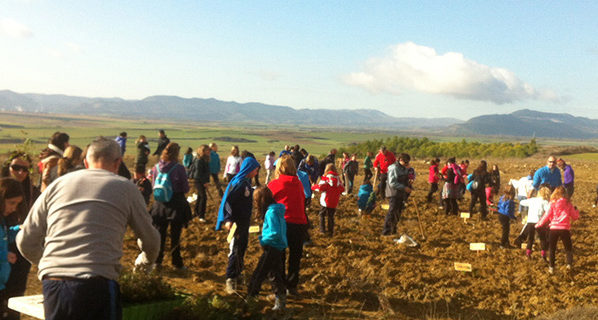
74	233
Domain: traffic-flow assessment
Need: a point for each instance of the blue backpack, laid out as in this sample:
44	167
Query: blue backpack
163	186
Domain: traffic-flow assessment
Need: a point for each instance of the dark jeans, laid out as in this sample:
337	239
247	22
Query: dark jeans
553	238
217	183
570	188
327	213
529	233
433	189
236	257
479	196
175	242
382	186
270	263
17	283
395	209
257	177
506	224
367	174
295	239
451	206
349	182
202	199
95	298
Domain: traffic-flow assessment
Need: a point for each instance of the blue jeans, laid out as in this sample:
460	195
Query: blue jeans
94	298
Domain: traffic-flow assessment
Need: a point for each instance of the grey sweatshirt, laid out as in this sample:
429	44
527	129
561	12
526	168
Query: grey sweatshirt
76	227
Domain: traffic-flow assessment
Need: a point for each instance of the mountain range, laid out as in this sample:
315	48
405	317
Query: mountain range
522	123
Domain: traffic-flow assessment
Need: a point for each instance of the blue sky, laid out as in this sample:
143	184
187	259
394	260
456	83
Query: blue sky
405	58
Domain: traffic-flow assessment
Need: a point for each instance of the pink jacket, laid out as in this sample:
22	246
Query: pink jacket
560	214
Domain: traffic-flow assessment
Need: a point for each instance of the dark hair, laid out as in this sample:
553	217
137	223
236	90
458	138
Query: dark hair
123	134
201	150
482	169
9	188
272	153
5	172
451	160
383	148
171	152
59	140
262	198
509	193
405	157
162	131
189	150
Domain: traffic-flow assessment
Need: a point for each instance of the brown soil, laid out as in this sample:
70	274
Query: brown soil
360	274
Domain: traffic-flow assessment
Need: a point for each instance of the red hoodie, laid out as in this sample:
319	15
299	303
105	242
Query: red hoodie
288	190
331	188
384	160
560	214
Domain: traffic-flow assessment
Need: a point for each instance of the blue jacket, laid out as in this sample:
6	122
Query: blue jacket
5	239
304	178
313	171
365	191
187	160
544	176
237	201
214	162
506	208
122	142
274	231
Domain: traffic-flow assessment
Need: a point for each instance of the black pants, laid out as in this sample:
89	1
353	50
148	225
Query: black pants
236	256
382	186
327	213
95	298
17	283
396	205
175	242
553	238
506	224
217	183
433	189
295	239
451	206
202	199
367	174
349	178
479	196
570	188
270	263
257	177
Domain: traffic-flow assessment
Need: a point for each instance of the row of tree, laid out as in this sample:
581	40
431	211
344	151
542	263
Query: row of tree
425	147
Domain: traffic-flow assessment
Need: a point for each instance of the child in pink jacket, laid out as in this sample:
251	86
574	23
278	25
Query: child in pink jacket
560	215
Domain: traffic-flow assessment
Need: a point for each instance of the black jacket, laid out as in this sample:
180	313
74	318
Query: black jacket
162	143
200	171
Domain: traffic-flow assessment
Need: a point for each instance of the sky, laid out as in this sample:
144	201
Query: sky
428	59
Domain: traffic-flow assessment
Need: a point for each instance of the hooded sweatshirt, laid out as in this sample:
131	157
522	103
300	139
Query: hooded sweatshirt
537	207
560	215
331	188
288	190
178	176
237	201
274	231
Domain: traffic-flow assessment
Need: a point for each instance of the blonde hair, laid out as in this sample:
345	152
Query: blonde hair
141	138
201	150
544	193
286	166
558	193
330	167
234	151
72	157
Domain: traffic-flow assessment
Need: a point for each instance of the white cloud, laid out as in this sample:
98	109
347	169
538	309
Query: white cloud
73	47
14	29
409	66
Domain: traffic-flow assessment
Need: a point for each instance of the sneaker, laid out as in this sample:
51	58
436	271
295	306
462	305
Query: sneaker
594	205
279	303
292	292
528	253
344	193
231	286
551	270
568	267
202	220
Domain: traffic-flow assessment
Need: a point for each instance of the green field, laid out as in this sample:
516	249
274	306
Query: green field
259	139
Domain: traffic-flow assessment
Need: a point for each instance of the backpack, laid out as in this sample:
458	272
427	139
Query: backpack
163	186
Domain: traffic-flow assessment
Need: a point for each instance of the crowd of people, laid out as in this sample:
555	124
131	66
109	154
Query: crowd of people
71	222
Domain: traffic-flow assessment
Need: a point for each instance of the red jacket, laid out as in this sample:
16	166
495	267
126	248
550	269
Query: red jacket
331	188
384	160
560	214
433	177
288	190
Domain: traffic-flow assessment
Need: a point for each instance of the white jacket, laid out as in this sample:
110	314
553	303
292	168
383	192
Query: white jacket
537	208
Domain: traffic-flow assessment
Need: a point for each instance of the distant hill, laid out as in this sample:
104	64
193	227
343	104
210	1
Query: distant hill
528	123
196	109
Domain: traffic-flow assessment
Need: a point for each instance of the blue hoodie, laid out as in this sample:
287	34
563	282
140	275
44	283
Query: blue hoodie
122	142
237	201
304	178
506	208
274	231
5	239
365	191
214	162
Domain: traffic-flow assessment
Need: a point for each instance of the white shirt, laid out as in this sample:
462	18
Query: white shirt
537	208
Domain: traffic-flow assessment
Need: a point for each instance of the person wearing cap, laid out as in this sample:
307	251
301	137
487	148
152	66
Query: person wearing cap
383	160
548	175
75	236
